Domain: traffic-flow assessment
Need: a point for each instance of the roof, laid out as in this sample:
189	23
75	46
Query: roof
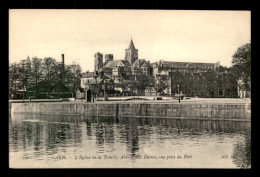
122	85
99	80
103	77
107	70
95	81
80	89
125	62
136	63
140	63
145	64
188	64
112	64
131	45
87	75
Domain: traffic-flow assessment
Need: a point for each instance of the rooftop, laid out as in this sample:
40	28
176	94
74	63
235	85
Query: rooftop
87	75
187	64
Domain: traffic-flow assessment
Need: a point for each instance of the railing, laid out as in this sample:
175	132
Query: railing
131	94
120	94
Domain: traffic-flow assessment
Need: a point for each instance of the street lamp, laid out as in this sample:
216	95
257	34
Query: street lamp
179	98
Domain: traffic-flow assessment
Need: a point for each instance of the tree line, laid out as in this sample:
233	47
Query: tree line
29	73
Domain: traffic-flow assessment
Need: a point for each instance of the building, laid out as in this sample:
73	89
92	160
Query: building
132	72
172	69
98	62
100	85
131	53
108	57
183	67
86	78
142	65
80	93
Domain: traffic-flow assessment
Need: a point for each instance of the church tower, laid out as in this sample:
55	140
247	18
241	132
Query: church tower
98	62
131	53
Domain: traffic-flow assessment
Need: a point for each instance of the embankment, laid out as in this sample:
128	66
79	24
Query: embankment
209	111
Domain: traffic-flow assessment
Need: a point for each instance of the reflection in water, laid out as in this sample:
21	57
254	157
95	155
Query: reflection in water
242	153
40	137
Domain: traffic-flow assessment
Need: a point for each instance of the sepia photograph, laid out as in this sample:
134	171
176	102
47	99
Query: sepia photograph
129	89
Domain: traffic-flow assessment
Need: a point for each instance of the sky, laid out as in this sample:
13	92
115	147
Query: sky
171	35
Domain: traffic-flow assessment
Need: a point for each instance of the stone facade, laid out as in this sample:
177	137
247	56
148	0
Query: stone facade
98	61
202	111
131	53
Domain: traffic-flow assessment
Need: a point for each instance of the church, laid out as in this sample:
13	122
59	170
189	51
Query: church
128	72
116	69
125	73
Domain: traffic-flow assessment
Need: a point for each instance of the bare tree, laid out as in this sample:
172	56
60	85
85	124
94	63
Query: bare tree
36	71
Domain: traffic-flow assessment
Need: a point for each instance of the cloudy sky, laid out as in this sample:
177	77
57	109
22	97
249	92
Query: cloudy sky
192	36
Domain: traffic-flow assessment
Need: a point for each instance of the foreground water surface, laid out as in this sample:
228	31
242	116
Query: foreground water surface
55	141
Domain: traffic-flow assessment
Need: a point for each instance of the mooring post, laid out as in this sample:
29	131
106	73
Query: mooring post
117	110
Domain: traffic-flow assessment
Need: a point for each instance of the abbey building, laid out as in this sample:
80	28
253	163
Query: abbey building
132	73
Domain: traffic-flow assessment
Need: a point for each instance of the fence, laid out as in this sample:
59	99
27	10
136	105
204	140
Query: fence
120	94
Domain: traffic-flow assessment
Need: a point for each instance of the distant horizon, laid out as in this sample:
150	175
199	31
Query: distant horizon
169	35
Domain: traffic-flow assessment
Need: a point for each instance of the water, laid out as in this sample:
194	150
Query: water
52	141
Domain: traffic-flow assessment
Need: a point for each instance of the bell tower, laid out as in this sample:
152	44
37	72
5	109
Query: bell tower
131	53
98	62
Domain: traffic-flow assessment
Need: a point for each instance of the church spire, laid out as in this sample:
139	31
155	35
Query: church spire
131	53
131	45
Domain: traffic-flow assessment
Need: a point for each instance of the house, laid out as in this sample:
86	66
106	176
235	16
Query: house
100	85
150	91
121	87
86	78
143	65
80	93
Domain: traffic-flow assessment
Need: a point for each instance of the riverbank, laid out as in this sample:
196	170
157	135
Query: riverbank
213	109
146	99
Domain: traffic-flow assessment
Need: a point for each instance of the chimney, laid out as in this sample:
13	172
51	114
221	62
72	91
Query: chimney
63	65
62	56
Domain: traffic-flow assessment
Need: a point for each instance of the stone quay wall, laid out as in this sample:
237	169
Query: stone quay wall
223	111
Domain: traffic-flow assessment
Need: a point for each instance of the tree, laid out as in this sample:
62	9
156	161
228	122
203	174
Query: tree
210	83
50	72
177	82
160	83
72	76
242	64
13	79
36	71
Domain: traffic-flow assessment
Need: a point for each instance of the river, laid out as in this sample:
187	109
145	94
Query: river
56	141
